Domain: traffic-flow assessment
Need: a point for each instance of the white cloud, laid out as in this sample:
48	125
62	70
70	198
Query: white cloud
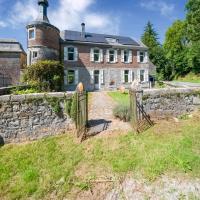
23	12
161	6
67	14
3	24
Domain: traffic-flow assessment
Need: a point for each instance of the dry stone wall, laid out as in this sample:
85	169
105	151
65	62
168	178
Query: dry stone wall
162	103
33	116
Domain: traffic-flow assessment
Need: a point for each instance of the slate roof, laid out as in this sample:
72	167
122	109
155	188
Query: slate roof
75	36
10	45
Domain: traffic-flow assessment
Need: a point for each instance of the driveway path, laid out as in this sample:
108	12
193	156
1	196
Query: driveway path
182	84
101	117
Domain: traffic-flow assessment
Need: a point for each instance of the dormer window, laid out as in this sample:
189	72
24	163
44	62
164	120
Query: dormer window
31	34
112	40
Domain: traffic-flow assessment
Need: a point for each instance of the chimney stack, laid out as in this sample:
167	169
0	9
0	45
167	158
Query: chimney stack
83	30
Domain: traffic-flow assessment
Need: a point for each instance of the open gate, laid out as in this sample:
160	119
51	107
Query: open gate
81	114
140	121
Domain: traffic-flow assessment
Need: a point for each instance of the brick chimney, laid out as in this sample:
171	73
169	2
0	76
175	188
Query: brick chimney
83	30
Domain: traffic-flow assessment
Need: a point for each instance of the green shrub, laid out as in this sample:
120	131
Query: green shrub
55	104
67	107
184	117
45	75
25	91
122	112
73	110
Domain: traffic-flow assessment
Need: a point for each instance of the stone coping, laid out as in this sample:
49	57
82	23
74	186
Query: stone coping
171	91
24	97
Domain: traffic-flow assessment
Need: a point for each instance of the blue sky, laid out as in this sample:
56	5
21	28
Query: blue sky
121	17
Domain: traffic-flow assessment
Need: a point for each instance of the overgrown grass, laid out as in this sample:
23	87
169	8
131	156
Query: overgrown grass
34	170
56	165
191	77
120	98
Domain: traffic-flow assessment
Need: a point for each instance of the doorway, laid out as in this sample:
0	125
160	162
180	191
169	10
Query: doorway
96	79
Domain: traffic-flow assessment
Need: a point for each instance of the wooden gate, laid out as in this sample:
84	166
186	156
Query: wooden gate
82	114
139	119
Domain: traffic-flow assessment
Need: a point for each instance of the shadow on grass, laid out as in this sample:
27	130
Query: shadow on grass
97	126
1	141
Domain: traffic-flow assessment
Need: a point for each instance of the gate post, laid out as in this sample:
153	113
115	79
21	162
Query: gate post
133	109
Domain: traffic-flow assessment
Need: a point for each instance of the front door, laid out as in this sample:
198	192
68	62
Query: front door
97	79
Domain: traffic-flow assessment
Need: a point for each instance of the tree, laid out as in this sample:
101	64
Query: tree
156	53
193	33
176	48
46	75
150	37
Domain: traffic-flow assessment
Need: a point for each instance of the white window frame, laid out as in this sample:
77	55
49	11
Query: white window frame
145	58
143	75
33	56
126	51
115	56
66	53
142	52
109	54
29	30
129	56
130	76
76	77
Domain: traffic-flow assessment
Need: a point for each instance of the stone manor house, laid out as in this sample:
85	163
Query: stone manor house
99	61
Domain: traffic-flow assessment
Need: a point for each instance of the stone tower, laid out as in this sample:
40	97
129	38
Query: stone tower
43	38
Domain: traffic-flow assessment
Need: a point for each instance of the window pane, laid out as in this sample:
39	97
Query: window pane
126	75
141	75
141	56
71	49
31	34
70	56
71	77
125	56
96	57
96	51
133	76
111	58
35	54
112	52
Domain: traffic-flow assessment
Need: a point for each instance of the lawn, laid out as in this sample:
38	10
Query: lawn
192	78
57	165
120	98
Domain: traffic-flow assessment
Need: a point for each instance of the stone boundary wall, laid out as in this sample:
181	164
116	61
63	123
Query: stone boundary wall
33	116
162	103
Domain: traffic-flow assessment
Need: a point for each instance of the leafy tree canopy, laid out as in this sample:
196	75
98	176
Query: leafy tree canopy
193	19
176	48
